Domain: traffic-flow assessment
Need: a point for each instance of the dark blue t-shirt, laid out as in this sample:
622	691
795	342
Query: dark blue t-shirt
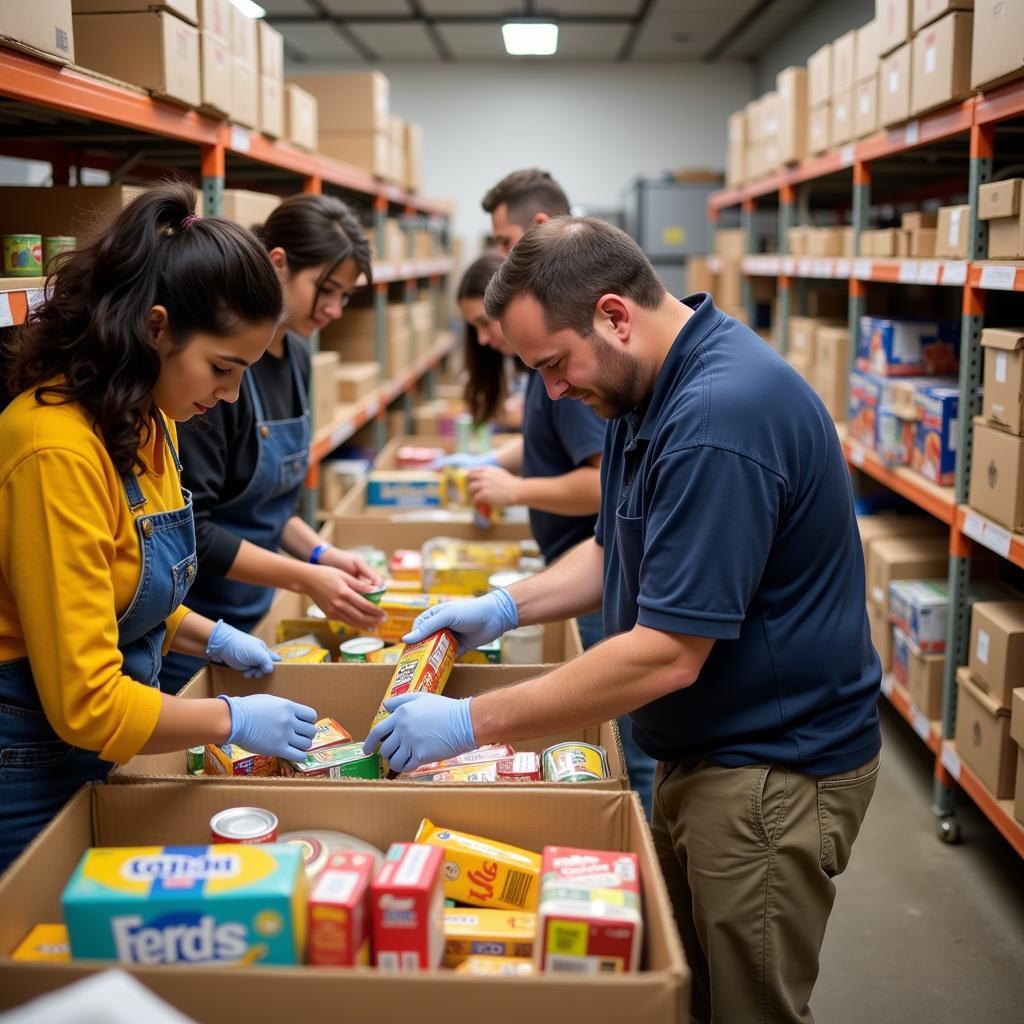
558	437
727	512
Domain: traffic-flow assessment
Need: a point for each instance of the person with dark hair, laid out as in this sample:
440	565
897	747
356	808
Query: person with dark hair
152	323
730	566
245	463
520	200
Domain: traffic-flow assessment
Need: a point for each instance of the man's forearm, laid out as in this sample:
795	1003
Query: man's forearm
570	587
576	493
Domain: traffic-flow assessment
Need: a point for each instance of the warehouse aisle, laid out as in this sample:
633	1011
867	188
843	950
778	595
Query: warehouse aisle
923	931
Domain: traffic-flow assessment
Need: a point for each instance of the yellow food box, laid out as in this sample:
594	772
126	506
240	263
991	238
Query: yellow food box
401	610
460	567
496	966
483	872
304	651
230	759
386	655
500	933
422	666
46	943
406	565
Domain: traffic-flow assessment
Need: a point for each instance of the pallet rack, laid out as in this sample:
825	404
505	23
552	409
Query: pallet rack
848	173
70	117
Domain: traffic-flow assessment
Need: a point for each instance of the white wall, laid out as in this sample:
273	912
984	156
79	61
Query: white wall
595	127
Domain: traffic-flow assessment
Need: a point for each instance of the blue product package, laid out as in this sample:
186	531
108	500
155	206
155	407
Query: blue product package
403	489
936	437
900	656
908	348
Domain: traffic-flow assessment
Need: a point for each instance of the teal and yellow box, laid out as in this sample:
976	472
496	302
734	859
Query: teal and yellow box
228	904
403	489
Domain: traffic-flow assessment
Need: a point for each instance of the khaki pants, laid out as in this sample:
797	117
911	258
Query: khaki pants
749	855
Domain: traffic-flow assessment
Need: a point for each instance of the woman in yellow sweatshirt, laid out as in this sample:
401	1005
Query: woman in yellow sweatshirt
154	322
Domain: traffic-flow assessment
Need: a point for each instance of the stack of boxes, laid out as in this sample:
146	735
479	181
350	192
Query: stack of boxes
727	285
819	95
999	203
865	86
914	238
271	81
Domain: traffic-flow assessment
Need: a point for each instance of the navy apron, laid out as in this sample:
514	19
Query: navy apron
257	515
39	772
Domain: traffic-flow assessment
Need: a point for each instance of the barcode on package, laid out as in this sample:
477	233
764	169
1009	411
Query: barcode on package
573	964
516	888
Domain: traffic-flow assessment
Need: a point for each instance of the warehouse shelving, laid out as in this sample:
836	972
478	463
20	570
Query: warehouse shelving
969	125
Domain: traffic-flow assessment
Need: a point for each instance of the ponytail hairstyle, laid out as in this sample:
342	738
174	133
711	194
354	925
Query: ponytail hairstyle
314	231
486	388
93	330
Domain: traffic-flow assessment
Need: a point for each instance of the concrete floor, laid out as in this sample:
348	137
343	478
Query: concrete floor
922	931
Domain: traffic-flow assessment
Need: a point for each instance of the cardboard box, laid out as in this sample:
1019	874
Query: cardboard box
866	56
413	145
925	674
997	476
245	95
927	11
791	86
916	219
387	457
874	528
844	63
271	112
215	16
819	129
153	50
996	53
865	104
801	342
904	558
369	151
186	9
881	635
996	654
357	380
819	76
1017	716
270	52
892	24
527	816
245	207
942	62
952	237
894	83
1003	392
735	173
983	738
42	28
214	74
841	130
301	117
1000	204
922	243
831	367
324	396
351	102
244	37
62	209
396	150
1018	791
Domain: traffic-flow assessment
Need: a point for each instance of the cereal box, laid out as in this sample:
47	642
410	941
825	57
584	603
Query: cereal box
469	932
46	943
231	759
329	733
339	912
221	904
346	761
407	900
935	441
589	919
482	755
483	872
907	348
423	666
496	967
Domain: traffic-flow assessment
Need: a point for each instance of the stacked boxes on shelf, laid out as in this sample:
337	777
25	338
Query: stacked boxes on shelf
999	203
915	238
996	54
865	86
730	248
215	56
819	97
353	337
819	349
270	90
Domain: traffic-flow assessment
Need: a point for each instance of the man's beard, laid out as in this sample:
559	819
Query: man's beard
622	388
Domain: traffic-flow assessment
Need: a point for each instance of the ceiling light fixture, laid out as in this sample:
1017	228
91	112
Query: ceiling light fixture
530	38
250	9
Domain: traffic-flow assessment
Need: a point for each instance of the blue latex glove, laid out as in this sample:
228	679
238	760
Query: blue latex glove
264	724
421	728
232	647
474	622
463	460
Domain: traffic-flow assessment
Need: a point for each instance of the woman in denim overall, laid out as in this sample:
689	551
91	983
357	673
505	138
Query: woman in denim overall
245	465
153	322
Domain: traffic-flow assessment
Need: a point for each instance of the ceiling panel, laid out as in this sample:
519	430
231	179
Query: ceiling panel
349	7
590	42
396	42
472	6
317	41
473	42
273	7
623	8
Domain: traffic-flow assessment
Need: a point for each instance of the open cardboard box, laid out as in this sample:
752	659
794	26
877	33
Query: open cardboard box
164	813
387	457
351	695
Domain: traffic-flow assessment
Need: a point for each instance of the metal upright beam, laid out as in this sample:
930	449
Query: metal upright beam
787	213
380	322
861	211
747	215
212	167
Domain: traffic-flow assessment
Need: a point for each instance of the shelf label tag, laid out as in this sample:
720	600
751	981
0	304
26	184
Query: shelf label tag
920	722
846	156
862	270
999	278
789	266
954	272
997	539
928	272
950	762
912	133
241	141
804	267
842	268
974	527
908	272
6	317
887	684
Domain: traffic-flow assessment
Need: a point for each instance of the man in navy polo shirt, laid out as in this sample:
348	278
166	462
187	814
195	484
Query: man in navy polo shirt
728	555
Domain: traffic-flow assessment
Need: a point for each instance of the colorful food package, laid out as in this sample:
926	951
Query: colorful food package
463	567
464	773
390	488
329	733
302	651
339	912
482	755
469	932
232	760
523	766
423	666
589	919
483	872
46	943
406	565
496	967
346	761
385	656
407	900
401	611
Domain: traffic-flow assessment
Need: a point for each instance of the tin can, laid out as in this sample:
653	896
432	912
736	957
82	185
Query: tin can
375	558
463	433
244	825
318	845
482	439
23	255
574	762
375	595
358	649
54	246
195	760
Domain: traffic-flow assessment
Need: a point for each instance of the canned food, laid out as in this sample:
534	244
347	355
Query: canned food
375	558
360	648
23	255
195	760
317	845
375	595
54	246
575	762
244	825
463	432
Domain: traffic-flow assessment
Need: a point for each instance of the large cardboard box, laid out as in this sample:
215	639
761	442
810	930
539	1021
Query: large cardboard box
866	63
153	50
301	117
369	151
735	173
924	682
927	11
355	101
248	208
1000	204
865	107
832	367
215	81
356	380
215	16
165	813
952	236
43	28
894	83
882	527
244	37
996	655
1003	393
801	342
841	130
271	111
997	476
996	53
892	24
844	62
324	393
942	62
819	76
245	93
904	558
396	150
351	695
983	738
819	129
79	210
270	51
413	144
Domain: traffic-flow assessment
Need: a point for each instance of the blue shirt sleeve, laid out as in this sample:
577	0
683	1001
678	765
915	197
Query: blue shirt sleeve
711	519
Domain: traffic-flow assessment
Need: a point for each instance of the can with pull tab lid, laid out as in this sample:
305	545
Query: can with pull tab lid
244	825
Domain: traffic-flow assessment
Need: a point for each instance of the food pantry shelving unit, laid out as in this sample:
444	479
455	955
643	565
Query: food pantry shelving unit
913	162
70	117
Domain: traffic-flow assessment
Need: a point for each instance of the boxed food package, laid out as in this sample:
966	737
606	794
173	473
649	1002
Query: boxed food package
996	655
819	76
895	437
46	943
232	760
921	609
997	476
422	667
892	23
403	489
900	655
952	238
999	203
907	348
151	49
942	62
936	434
340	923
465	567
1003	395
865	104
983	738
894	84
470	931
301	117
904	558
407	898
995	52
42	28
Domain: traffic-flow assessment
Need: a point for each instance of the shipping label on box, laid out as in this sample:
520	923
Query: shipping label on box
907	348
935	441
894	78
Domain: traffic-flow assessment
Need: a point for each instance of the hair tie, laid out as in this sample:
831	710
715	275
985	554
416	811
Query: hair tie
188	221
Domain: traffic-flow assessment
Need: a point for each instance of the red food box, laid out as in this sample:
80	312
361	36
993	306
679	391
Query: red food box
520	767
589	917
339	918
407	899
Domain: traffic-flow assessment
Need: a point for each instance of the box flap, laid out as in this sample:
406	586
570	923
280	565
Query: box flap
987	701
1007	338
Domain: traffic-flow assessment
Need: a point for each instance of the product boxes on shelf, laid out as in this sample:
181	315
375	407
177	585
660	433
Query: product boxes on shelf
999	203
996	54
894	76
866	52
927	11
865	107
819	76
983	737
900	655
935	435
892	23
908	348
895	443
924	682
830	373
819	128
215	74
301	114
842	127
996	655
942	62
952	237
844	62
997	476
791	85
356	101
904	558
1003	395
42	28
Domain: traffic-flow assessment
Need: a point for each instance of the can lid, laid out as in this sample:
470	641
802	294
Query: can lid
243	822
362	645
